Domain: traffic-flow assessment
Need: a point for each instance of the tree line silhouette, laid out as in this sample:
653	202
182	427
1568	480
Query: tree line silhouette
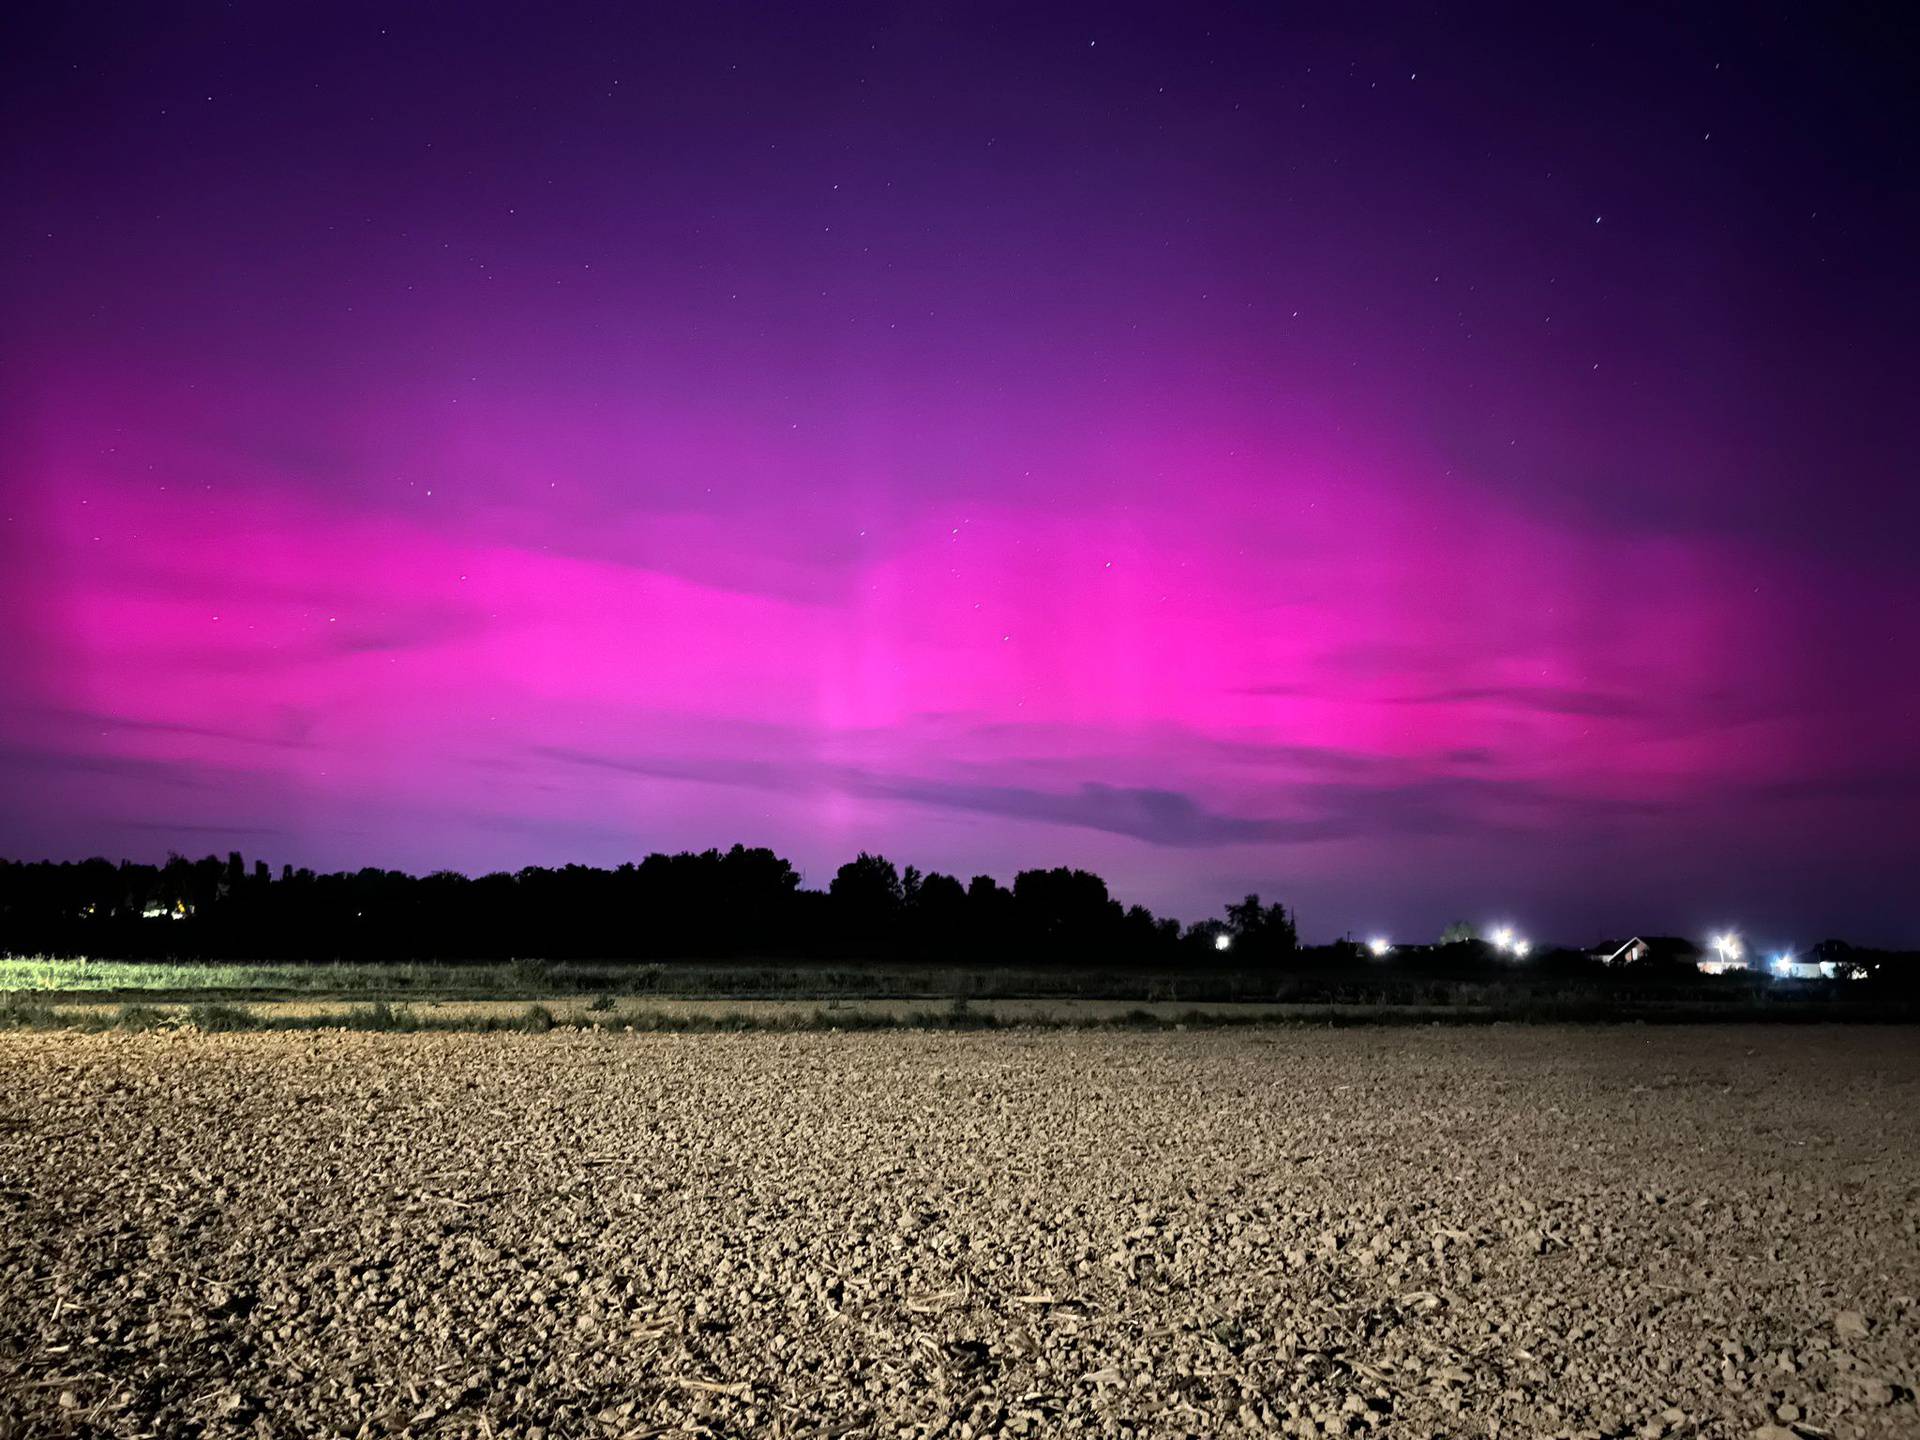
746	904
742	902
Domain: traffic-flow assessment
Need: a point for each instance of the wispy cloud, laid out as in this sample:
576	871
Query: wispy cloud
1314	811
1544	699
183	827
295	740
35	762
1158	816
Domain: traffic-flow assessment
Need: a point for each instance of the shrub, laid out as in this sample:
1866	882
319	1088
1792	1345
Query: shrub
530	974
381	1016
21	1012
217	1019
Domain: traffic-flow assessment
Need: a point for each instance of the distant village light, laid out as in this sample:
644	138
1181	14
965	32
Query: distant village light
1522	948
1222	941
1728	955
1789	966
1379	947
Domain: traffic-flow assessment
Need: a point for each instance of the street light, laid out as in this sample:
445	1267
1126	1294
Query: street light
1222	941
1379	948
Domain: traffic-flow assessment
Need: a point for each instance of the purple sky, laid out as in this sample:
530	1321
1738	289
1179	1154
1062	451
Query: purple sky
1414	468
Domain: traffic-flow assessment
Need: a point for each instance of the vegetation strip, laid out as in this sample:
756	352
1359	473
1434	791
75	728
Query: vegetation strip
29	1012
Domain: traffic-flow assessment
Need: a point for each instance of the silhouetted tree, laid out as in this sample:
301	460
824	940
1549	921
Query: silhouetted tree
868	896
1261	932
936	916
1201	943
1066	914
990	925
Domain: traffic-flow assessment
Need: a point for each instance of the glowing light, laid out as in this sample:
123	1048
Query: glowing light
1729	954
1379	947
1222	941
1503	938
1522	948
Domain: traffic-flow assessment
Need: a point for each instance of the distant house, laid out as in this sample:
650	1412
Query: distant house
1841	961
179	910
1804	967
1797	969
1722	964
1647	949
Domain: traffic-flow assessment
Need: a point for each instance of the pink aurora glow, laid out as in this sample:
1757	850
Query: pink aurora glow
1191	688
1215	457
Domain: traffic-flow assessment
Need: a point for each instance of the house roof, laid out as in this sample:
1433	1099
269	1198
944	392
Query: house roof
1676	945
1657	947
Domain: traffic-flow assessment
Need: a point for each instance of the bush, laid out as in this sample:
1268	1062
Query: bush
530	974
536	1020
21	1012
381	1016
219	1019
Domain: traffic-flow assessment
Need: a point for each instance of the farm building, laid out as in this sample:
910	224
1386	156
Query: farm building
1647	949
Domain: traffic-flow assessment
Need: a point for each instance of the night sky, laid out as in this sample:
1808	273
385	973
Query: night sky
1419	463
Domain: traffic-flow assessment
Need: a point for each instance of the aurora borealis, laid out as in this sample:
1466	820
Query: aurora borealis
1421	469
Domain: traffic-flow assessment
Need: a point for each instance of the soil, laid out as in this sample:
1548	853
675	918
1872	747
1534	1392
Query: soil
1498	1231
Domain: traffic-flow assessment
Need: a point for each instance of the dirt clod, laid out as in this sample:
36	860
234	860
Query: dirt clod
1850	1325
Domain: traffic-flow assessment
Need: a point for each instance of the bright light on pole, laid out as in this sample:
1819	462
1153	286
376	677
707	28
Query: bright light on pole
1379	947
